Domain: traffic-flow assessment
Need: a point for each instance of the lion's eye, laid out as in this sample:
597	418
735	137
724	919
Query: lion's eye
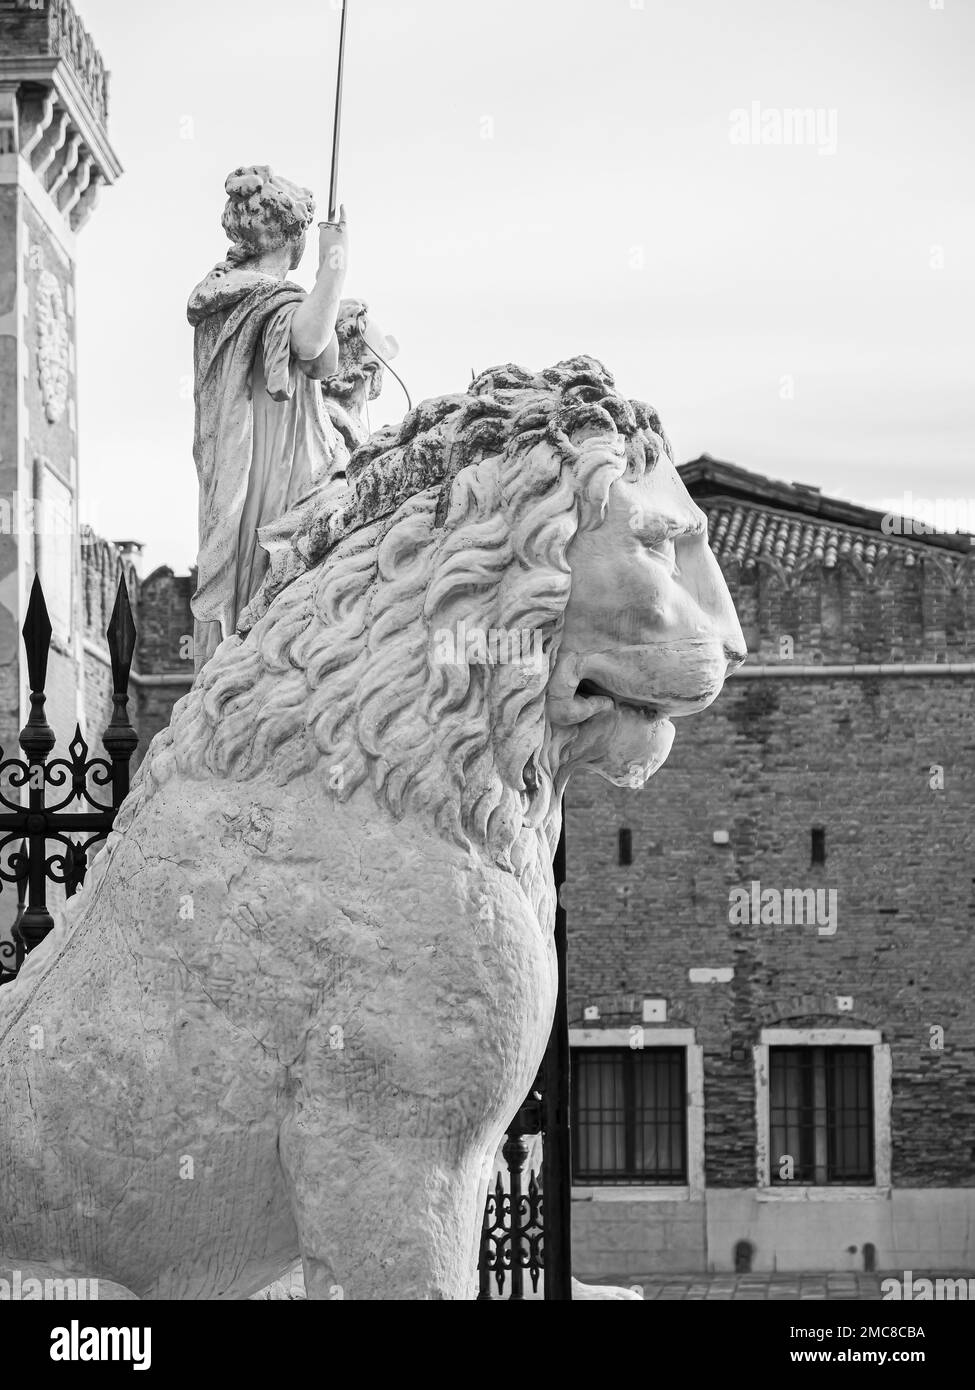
666	552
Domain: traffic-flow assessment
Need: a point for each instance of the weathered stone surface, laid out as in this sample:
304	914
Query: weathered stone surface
262	346
345	396
311	977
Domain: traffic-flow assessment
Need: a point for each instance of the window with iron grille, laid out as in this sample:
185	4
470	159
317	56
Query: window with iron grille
821	1114
629	1115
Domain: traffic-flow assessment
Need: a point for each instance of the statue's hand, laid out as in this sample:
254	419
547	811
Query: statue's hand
313	322
333	245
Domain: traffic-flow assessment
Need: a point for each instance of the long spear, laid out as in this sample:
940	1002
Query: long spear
333	186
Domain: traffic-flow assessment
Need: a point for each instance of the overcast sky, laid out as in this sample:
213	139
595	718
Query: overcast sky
529	179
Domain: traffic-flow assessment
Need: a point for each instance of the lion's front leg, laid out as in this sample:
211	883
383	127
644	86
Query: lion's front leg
379	1218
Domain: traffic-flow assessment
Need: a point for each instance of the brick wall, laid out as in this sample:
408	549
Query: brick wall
26	29
164	623
922	610
768	762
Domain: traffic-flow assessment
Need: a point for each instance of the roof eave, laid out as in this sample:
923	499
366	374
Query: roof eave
706	477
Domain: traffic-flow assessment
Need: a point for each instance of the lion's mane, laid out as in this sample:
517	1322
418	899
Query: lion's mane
463	513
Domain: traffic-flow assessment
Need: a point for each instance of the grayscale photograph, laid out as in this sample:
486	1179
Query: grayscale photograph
487	669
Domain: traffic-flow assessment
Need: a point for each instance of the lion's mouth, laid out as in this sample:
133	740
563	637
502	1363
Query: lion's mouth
589	689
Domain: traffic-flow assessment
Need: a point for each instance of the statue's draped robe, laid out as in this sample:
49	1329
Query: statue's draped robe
263	437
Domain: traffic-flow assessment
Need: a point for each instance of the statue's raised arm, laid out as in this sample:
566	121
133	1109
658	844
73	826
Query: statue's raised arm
262	346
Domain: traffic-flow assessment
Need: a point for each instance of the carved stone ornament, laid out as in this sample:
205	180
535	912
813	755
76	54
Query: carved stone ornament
52	345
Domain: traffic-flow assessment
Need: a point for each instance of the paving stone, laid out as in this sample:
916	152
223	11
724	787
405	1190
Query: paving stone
841	1286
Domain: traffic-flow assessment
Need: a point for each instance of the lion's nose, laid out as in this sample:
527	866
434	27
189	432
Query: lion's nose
734	655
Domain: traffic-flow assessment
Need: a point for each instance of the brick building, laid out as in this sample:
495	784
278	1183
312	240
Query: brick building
771	950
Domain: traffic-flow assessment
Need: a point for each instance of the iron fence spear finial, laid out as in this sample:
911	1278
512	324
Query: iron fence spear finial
120	739
37	738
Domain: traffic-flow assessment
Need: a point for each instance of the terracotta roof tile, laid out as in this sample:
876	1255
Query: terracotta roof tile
749	533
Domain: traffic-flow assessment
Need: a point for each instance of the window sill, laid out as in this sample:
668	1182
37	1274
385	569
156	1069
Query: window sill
820	1194
631	1194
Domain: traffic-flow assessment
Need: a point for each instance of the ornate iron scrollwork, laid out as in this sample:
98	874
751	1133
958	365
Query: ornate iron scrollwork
76	820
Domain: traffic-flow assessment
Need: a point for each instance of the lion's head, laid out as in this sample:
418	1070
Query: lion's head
516	582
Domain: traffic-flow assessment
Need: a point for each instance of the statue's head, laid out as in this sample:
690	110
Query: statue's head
265	212
514	582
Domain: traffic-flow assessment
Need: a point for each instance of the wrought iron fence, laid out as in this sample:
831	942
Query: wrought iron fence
512	1232
58	791
526	1224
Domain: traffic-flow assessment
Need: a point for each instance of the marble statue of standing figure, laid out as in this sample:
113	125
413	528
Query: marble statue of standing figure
262	347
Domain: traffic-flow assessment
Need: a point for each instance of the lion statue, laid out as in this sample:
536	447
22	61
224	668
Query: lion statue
311	975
